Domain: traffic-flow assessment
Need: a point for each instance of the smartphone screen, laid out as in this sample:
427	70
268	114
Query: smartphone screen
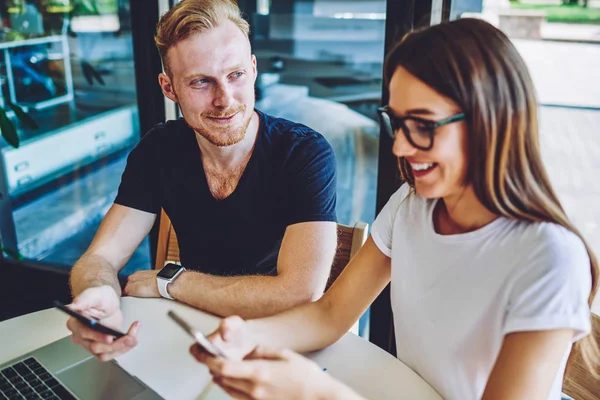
197	335
92	323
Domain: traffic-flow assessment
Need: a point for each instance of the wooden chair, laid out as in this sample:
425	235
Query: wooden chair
350	239
579	383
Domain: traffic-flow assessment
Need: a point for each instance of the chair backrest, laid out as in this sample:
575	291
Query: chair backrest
579	383
350	239
167	249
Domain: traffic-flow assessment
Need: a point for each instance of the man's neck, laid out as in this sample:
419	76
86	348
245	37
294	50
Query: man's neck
225	158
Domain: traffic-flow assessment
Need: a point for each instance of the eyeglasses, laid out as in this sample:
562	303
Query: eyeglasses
418	131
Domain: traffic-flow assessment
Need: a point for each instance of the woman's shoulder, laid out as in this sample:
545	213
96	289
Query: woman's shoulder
403	195
551	238
550	246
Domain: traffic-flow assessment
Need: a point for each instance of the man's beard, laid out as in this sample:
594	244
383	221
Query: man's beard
225	136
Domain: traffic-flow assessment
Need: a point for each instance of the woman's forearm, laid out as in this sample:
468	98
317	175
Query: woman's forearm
304	328
317	325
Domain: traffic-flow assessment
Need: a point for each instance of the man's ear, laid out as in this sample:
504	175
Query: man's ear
254	67
167	87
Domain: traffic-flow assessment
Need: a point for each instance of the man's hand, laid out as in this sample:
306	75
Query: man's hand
142	284
101	303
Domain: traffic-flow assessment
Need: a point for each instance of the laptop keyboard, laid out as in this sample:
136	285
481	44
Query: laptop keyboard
28	379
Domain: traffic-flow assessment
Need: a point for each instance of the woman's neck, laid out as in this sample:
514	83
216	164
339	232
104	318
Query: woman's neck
461	213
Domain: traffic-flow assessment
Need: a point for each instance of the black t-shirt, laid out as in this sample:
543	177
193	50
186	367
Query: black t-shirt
290	178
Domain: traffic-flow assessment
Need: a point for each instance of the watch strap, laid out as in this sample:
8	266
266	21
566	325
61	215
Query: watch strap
162	288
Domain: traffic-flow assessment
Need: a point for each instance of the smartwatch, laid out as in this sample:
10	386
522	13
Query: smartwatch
168	274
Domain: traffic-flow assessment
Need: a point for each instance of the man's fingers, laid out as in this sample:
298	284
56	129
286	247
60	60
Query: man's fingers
87	333
122	344
82	302
109	356
129	288
96	314
101	345
103	299
89	298
138	289
134	329
133	288
82	342
105	351
126	344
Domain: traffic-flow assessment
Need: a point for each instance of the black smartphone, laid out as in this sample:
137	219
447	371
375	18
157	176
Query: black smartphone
90	322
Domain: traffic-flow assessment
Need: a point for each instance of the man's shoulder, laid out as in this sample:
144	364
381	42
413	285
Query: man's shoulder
288	137
164	135
286	129
166	129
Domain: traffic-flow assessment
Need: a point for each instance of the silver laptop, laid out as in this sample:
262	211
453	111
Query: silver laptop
63	370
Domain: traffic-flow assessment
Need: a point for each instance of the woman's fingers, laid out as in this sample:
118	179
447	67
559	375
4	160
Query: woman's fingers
268	353
240	385
229	326
250	370
236	394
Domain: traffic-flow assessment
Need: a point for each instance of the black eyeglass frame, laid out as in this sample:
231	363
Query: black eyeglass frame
392	124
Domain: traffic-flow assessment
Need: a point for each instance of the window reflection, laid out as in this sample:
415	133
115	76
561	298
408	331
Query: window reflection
320	64
68	65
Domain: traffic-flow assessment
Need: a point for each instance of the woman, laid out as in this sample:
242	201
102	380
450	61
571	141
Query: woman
491	283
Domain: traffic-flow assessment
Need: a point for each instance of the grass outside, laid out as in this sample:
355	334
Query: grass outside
563	13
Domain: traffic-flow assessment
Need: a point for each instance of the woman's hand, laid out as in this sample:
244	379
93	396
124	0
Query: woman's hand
275	374
232	337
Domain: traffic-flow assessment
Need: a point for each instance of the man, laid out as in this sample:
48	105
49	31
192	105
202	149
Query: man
251	197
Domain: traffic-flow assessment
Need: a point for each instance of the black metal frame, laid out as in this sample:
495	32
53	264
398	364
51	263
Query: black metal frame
402	16
148	66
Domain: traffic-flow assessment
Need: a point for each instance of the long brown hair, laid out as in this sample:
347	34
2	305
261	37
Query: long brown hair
475	65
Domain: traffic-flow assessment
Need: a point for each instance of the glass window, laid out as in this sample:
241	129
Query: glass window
68	65
560	42
320	64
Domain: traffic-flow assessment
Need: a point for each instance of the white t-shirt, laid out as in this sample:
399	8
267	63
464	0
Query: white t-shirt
455	297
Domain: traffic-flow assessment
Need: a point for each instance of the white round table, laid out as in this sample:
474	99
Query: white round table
163	362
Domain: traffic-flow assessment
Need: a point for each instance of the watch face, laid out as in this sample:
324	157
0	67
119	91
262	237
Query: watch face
169	271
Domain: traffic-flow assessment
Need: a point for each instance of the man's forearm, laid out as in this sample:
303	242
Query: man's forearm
92	271
246	296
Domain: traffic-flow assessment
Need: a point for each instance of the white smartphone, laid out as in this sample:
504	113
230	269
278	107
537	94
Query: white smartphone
197	335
